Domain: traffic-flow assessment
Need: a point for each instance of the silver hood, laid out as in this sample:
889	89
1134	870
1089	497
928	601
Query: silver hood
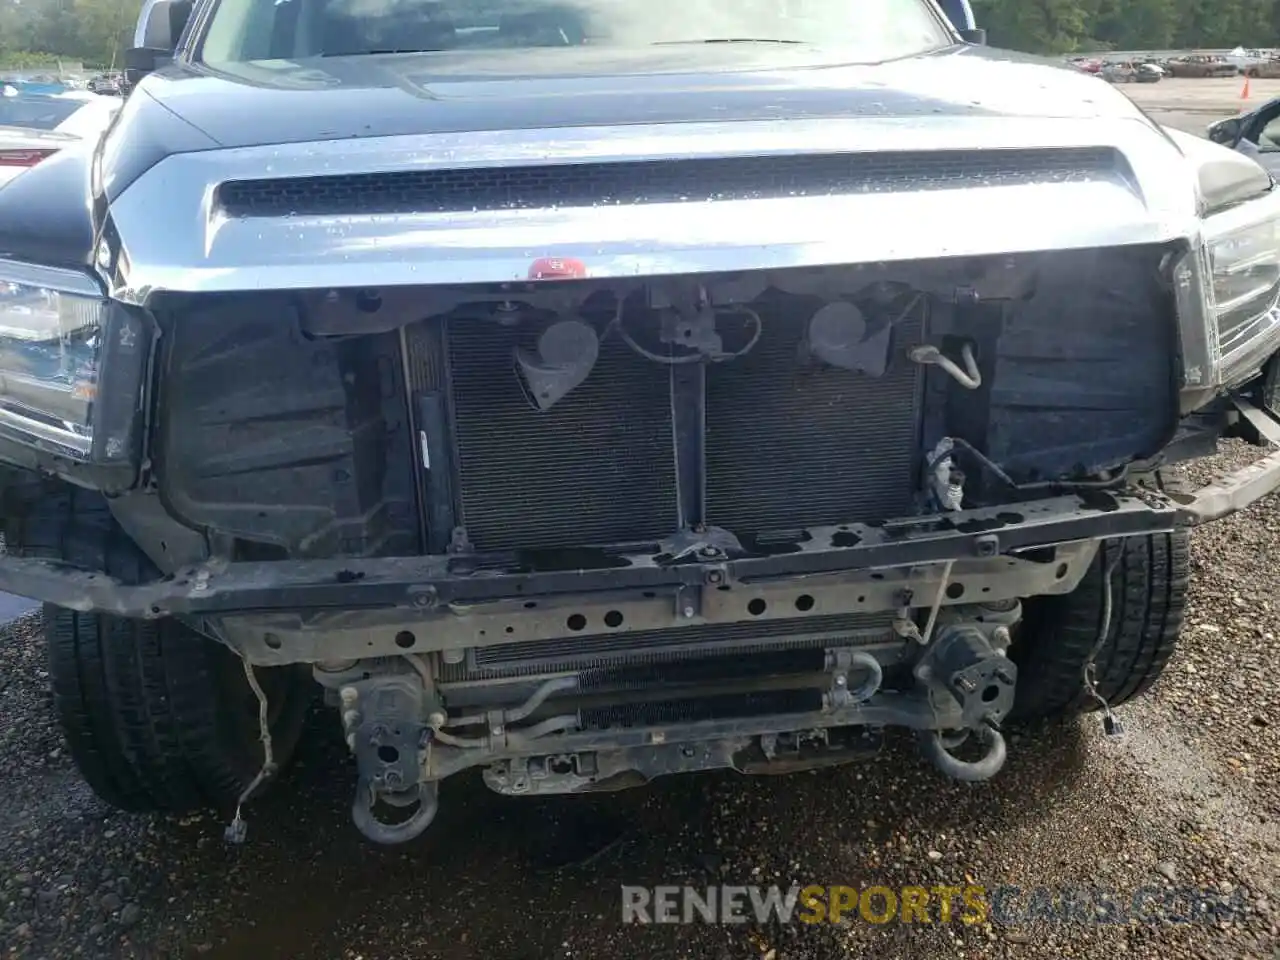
934	186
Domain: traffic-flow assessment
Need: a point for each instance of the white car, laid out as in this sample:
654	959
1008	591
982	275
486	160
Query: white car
34	126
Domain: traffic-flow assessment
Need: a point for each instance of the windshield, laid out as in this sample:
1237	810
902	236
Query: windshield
36	112
865	30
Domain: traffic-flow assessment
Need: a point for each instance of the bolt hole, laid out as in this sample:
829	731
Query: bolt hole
154	608
576	622
484	633
530	604
726	588
510	630
986	589
804	602
757	607
388	754
648	594
405	639
1061	571
272	641
990	694
613	618
955	590
862	599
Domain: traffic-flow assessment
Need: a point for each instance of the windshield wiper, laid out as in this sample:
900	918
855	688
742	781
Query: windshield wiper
669	43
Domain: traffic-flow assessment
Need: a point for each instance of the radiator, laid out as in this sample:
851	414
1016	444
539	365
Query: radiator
788	444
792	445
596	468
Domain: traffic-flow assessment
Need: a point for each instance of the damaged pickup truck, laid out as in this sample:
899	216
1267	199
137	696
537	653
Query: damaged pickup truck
589	391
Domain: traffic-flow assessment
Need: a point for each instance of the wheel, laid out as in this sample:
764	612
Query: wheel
1267	391
156	715
1148	596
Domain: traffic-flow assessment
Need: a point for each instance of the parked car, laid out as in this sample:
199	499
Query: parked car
1131	72
34	126
520	381
1201	66
108	84
1119	73
34	84
1148	72
1268	69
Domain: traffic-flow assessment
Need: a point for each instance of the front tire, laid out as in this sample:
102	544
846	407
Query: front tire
1148	598
156	715
160	718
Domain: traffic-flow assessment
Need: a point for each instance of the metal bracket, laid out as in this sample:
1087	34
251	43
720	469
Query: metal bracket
1262	424
688	602
689	425
1240	488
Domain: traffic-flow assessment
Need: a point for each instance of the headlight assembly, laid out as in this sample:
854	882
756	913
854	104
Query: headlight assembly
59	337
1233	284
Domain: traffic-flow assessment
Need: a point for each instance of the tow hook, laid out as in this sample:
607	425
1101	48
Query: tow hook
934	746
381	727
962	664
426	795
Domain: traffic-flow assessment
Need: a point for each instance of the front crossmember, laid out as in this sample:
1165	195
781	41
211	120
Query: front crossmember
430	583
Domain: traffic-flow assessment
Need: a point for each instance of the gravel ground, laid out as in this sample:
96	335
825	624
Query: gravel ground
1189	797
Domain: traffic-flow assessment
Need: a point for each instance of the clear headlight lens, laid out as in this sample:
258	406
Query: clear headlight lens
1242	263
1245	270
50	352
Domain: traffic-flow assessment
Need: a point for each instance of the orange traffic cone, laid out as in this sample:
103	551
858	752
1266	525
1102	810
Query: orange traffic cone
1244	91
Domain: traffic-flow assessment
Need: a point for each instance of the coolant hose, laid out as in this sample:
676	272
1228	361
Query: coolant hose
932	746
875	676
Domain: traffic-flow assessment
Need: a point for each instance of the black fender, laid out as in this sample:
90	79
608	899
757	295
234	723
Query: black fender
46	214
54	213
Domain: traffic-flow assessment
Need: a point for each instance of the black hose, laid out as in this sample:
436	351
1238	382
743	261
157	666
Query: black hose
1054	486
931	745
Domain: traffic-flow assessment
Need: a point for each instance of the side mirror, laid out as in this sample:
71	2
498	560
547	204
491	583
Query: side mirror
160	26
1226	132
975	35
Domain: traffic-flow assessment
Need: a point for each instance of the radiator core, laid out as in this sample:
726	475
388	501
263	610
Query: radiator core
789	444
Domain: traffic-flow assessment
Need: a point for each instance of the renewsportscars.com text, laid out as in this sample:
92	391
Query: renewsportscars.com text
967	904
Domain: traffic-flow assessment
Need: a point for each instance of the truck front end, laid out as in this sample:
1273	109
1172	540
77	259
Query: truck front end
802	404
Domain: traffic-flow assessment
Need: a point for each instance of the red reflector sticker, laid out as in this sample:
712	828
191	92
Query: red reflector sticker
557	268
